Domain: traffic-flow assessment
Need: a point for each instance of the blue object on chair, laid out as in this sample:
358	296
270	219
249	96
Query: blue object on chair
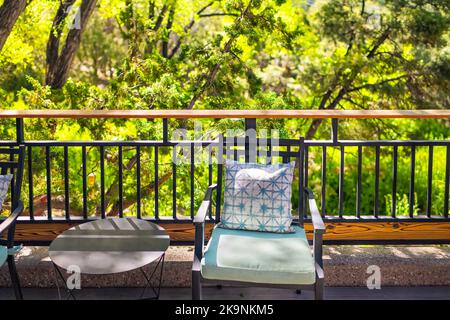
3	255
5	252
7	226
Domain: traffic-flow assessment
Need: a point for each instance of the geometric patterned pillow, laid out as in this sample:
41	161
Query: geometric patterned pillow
5	181
258	197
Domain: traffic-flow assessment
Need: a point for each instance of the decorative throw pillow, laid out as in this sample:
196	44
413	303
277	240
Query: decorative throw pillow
258	197
5	181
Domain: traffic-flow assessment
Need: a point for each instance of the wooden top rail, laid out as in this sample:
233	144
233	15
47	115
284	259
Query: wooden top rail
185	114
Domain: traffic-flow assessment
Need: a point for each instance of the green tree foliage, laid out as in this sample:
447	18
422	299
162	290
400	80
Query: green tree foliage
229	54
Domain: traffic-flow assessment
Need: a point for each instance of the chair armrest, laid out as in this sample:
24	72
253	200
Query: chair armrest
205	206
319	271
316	218
199	222
10	221
196	265
319	228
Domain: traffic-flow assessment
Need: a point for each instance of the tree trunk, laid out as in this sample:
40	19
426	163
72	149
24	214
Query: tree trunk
58	64
9	13
165	42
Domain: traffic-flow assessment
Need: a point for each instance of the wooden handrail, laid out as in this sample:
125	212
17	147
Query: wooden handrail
186	114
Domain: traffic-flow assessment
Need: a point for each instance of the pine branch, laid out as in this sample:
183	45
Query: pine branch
211	77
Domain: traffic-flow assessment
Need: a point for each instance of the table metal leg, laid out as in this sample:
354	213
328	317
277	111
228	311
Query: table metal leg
69	292
156	290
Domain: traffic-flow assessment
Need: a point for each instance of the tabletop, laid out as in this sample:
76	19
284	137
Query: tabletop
110	245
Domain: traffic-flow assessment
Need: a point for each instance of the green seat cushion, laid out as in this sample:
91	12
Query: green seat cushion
4	252
259	257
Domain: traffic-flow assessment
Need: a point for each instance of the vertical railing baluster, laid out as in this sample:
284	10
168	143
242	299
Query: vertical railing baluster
429	180
301	182
358	183
120	164
236	146
219	178
250	140
165	130
334	130
210	171
341	182
102	182
138	182
174	182
324	179
66	183
377	181
394	181
247	148
30	183
13	184
286	158
84	181
49	182
411	181
447	182
192	180
306	180
210	175
156	183
20	137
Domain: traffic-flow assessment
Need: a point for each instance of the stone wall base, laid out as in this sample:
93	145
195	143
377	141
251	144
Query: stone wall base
344	266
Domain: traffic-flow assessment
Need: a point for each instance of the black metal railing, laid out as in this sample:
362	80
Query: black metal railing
283	149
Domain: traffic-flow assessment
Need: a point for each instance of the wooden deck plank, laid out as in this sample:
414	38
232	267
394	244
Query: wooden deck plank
335	231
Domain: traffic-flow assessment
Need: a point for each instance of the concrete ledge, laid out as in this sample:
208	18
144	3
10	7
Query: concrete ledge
344	266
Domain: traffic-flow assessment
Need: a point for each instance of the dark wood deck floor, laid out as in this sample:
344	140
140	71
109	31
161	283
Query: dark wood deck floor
228	293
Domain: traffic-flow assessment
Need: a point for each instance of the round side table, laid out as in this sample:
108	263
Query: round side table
110	246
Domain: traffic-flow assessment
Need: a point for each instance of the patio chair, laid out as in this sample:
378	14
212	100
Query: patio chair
14	165
258	259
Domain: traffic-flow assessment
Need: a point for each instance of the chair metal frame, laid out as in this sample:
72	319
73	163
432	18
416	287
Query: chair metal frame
14	166
205	207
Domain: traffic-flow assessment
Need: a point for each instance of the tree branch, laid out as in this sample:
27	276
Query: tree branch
9	13
187	28
372	85
345	88
379	42
151	9
165	42
213	72
160	19
215	14
199	12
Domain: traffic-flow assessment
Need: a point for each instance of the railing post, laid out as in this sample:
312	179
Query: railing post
19	131
334	130
301	181
250	140
411	181
394	181
220	162
447	182
165	130
250	123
